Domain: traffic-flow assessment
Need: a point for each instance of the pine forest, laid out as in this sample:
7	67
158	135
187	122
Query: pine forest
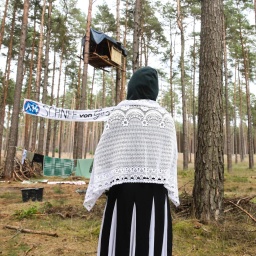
169	40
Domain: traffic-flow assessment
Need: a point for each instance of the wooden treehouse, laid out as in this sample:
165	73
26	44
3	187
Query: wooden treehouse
105	51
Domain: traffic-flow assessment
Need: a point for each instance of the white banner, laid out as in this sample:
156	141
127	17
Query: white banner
38	109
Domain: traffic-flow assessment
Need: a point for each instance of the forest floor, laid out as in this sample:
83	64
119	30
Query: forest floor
60	225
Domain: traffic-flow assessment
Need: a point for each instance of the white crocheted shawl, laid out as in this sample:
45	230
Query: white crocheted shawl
138	145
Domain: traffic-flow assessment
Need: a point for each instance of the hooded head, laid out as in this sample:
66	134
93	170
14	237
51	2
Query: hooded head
143	84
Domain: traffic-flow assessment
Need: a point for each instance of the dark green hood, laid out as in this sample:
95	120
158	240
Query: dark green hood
143	84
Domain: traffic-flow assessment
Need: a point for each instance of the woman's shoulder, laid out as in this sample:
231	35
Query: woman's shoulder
144	105
145	111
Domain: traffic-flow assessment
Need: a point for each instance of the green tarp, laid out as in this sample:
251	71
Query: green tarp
84	167
57	166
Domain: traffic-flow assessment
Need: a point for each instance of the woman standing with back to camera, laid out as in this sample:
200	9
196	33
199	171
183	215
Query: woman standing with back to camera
136	162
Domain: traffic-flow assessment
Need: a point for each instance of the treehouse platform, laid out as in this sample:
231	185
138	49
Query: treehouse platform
105	51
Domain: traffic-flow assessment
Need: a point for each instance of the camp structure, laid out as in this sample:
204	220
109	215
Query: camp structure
104	51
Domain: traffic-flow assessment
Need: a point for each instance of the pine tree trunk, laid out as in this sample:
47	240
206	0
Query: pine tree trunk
55	123
123	74
103	103
49	126
80	136
7	129
255	13
89	124
171	72
235	119
12	142
247	87
38	77
141	40
184	98
41	139
31	68
248	102
228	132
118	71
208	188
113	88
6	79
118	86
241	137
136	35
61	137
194	91
3	23
77	103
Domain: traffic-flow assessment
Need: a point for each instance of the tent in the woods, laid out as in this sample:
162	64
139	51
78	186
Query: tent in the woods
104	51
52	166
64	167
84	168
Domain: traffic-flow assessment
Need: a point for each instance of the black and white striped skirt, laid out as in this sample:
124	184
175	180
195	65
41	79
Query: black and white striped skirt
136	221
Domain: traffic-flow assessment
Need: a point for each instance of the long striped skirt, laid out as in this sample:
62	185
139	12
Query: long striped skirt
136	221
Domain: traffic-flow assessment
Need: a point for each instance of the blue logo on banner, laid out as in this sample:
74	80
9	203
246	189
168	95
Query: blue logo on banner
31	108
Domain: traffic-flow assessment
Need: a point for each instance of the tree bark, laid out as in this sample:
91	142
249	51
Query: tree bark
6	79
255	12
228	130
118	71
61	137
248	99
208	188
103	103
184	98
247	87
38	78
89	124
241	137
136	35
13	136
171	72
49	126
77	103
80	143
3	23
55	123
41	139
31	68
123	78
235	119
249	114
194	91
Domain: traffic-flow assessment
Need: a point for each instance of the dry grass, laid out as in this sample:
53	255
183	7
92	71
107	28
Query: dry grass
61	212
